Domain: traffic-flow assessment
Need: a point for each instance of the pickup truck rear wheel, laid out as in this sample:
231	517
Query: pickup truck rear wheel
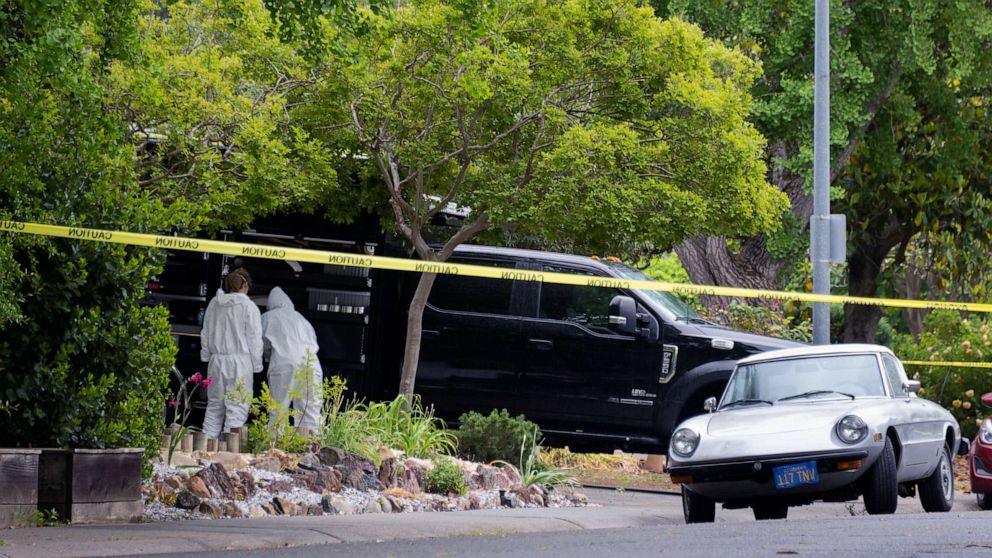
697	508
881	492
937	490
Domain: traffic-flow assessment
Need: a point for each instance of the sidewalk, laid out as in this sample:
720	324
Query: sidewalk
612	510
635	510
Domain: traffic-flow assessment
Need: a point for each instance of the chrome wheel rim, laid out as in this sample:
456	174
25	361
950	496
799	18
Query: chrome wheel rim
946	478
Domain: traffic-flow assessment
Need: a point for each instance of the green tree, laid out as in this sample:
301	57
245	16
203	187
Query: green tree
82	363
909	136
206	103
584	119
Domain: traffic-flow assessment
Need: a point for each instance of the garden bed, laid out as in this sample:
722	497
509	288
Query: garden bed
331	481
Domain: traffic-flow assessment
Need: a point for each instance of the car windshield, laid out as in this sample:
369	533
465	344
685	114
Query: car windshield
668	301
806	378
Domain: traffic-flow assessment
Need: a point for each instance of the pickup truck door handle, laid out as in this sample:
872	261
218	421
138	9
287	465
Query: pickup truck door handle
541	344
430	334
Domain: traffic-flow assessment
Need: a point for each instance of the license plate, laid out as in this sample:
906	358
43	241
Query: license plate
796	474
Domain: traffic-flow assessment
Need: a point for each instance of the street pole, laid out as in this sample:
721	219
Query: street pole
819	222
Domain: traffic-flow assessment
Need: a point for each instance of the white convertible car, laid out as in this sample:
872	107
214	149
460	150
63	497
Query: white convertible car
829	423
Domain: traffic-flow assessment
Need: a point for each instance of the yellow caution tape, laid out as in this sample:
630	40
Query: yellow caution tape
401	264
947	363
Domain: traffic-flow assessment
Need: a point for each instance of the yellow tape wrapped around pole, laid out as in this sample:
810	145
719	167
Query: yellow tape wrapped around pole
401	264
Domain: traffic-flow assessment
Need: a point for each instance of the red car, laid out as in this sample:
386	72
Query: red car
980	461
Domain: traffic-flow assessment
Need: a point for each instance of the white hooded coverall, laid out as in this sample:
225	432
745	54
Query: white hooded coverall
231	342
287	336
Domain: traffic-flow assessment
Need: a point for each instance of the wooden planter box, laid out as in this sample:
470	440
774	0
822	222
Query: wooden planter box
91	485
18	486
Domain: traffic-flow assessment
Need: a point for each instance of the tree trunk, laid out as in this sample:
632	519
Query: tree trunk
709	261
414	332
864	265
911	289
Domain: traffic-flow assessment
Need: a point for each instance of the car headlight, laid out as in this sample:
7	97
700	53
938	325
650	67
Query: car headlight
684	442
985	432
851	429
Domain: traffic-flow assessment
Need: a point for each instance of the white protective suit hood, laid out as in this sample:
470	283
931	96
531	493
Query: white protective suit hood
278	299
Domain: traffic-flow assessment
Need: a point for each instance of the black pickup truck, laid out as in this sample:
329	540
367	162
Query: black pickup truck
598	368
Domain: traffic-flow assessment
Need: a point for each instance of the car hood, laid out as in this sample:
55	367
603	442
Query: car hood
781	418
757	342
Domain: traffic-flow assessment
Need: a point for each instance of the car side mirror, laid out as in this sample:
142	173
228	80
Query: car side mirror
911	386
987	399
709	405
623	315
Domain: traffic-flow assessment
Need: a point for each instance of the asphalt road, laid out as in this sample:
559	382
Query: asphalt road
817	530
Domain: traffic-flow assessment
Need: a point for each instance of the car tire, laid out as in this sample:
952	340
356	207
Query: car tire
770	511
697	508
881	491
937	490
984	501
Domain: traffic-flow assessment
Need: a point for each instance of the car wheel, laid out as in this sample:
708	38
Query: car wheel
697	508
984	501
937	490
881	490
770	511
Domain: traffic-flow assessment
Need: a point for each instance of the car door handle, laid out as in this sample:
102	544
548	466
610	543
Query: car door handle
541	344
430	334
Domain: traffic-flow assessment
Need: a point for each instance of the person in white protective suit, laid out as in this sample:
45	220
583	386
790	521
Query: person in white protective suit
231	342
287	339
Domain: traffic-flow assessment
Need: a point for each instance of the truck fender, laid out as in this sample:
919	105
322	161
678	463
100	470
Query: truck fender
708	377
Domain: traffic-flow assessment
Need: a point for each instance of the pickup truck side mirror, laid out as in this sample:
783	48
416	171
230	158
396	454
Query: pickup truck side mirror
623	315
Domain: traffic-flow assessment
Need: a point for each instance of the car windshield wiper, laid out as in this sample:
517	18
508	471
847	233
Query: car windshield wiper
815	392
746	402
693	320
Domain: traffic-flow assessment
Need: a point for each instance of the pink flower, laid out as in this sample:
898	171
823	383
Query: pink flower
207	382
196	378
172	403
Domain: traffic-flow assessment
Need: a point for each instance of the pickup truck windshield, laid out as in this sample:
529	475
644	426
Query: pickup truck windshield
668	301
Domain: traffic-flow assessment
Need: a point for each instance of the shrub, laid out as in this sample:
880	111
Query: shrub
534	470
493	437
949	337
445	477
410	427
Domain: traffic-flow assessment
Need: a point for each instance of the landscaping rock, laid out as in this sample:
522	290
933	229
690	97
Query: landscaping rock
279	486
310	461
284	506
217	481
397	492
512	475
305	479
328	480
270	464
245	485
337	504
231	510
532	495
198	487
395	503
502	481
384	504
282	456
331	456
229	460
269	509
314	509
410	481
387	472
174	481
255	512
180	459
211	509
185	500
352	475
